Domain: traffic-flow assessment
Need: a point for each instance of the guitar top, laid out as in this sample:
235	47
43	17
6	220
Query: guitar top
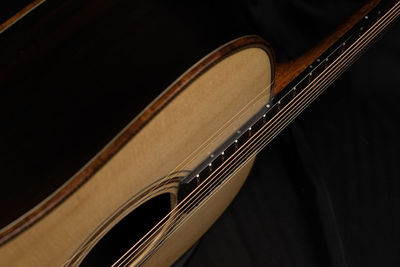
94	92
76	88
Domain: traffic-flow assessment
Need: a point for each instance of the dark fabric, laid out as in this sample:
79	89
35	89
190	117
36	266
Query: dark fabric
70	85
326	192
9	8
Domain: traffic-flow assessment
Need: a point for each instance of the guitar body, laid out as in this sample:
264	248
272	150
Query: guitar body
183	126
132	196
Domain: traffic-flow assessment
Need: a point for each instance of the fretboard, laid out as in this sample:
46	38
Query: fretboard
288	104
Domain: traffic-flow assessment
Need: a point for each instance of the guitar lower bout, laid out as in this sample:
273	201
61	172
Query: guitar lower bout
178	131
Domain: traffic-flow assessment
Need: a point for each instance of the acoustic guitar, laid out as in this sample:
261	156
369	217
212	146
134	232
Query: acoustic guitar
115	159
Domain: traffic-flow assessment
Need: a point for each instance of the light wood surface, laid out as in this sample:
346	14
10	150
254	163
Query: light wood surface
199	221
189	128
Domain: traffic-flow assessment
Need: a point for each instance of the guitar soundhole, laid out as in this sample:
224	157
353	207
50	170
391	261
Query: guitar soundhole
128	231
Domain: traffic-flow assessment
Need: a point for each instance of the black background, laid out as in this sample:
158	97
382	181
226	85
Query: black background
326	191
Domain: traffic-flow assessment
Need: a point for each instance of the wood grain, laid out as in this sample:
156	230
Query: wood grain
120	140
20	14
167	143
287	71
206	214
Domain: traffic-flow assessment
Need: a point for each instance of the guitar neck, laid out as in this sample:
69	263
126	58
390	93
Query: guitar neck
290	101
286	72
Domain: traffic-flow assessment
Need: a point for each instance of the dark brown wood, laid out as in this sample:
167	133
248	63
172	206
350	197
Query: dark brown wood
113	147
287	71
75	73
20	14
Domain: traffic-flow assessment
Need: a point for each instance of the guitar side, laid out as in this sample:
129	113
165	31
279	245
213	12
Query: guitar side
172	140
150	156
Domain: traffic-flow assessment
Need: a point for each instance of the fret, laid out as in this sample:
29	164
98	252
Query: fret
259	123
283	101
317	68
354	37
300	86
336	53
287	104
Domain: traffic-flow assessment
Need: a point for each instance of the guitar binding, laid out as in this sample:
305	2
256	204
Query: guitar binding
201	173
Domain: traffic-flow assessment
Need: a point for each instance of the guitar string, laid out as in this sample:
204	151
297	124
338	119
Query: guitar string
180	222
316	89
304	90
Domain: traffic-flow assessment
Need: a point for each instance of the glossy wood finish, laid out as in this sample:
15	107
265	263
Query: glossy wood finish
170	139
23	39
73	88
126	135
19	15
284	74
287	71
198	221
